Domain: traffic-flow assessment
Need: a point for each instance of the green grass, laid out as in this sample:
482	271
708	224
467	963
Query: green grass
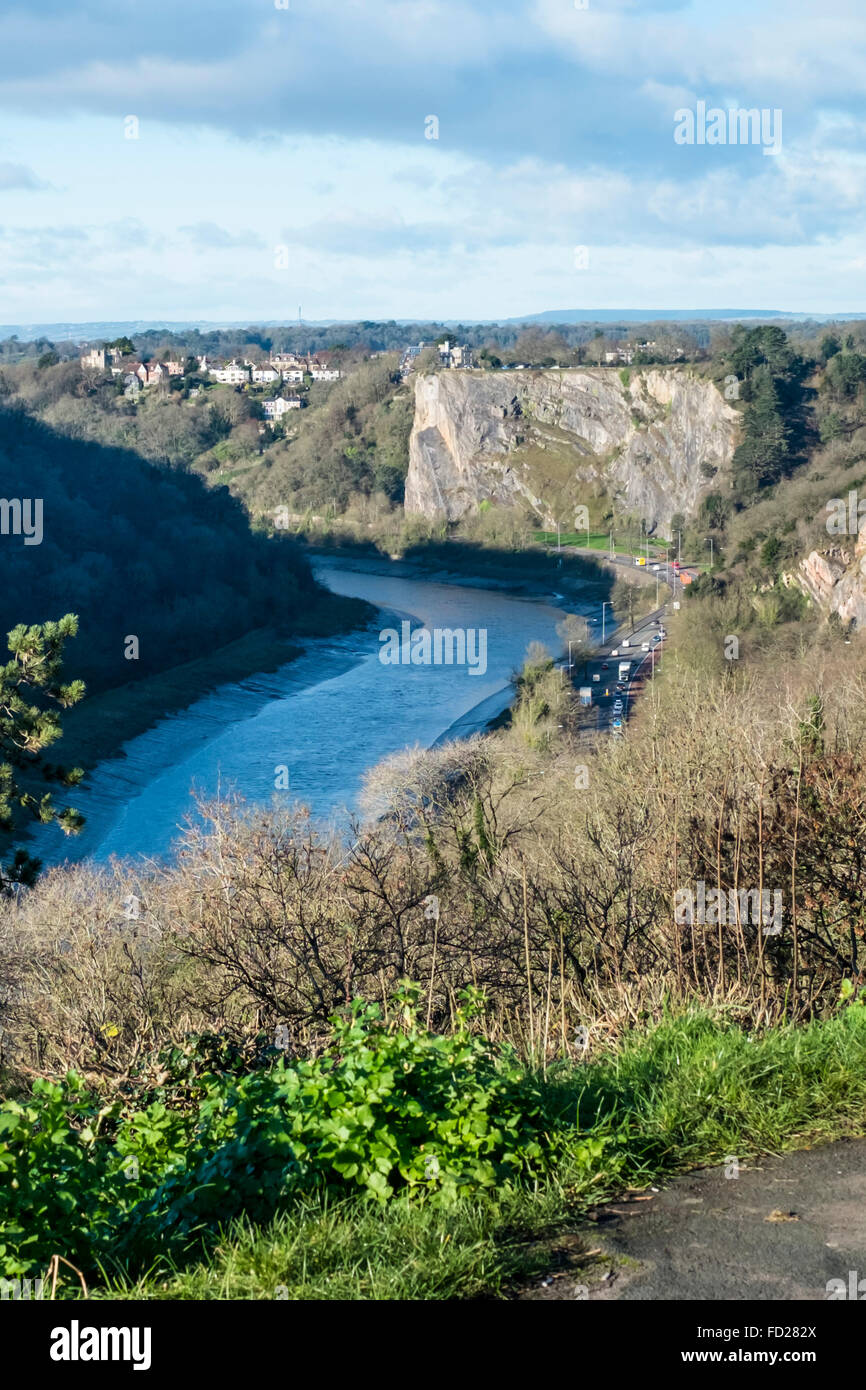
688	1094
599	540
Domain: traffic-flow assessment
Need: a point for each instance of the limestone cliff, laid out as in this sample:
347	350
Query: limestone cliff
638	439
836	579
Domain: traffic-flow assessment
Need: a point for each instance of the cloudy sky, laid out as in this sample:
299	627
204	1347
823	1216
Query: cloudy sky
282	158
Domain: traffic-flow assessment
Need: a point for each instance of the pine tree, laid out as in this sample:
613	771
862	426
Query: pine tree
31	692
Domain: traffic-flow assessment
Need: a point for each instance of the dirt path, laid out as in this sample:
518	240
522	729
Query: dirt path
780	1230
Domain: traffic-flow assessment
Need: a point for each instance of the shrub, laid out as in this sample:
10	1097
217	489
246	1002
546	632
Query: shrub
387	1107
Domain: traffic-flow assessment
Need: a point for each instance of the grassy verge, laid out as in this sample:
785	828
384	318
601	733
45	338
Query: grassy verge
689	1093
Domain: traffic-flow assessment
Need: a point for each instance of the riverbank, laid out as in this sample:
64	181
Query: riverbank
98	728
521	574
287	732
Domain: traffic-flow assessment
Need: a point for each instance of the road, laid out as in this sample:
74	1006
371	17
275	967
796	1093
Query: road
622	644
785	1227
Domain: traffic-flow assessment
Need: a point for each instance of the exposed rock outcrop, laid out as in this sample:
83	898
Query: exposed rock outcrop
639	438
836	579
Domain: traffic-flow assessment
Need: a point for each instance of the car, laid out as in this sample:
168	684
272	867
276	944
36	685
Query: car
655	567
605	666
596	676
617	723
620	687
663	633
657	621
644	646
617	706
616	653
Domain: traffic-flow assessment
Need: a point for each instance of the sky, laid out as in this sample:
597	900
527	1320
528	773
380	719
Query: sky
430	159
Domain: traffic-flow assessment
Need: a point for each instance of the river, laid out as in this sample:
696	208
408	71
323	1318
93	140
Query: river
319	722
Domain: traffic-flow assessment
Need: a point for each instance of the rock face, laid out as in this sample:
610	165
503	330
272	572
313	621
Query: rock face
524	436
836	579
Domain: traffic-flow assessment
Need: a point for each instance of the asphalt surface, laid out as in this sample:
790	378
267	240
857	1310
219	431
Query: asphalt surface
620	645
783	1229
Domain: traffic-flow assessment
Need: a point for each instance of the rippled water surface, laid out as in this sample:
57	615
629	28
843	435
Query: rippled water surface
327	717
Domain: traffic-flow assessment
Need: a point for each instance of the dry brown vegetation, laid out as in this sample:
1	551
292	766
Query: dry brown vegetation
556	899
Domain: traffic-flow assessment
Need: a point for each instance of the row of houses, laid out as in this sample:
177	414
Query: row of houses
283	366
147	373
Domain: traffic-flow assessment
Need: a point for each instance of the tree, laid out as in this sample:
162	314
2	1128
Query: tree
762	456
30	684
830	345
575	635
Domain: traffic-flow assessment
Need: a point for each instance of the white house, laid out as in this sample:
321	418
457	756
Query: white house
455	354
320	373
293	374
276	407
232	374
265	374
286	359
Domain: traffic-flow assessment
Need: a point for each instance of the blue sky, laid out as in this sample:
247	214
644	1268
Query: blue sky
281	158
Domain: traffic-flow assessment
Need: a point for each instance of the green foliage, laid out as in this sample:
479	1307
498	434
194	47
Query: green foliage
142	550
845	374
31	691
774	429
690	1092
830	345
56	1183
770	552
388	1107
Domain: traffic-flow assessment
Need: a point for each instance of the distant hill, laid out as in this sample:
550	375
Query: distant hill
671	316
105	331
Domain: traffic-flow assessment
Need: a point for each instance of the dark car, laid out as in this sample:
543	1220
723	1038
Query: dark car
605	666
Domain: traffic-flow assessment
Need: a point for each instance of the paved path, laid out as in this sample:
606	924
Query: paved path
781	1230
